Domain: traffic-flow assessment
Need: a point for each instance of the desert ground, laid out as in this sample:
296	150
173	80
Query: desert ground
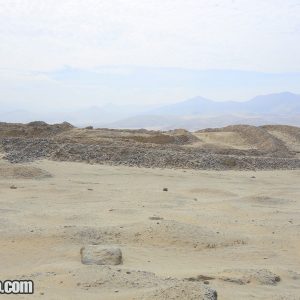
136	214
234	232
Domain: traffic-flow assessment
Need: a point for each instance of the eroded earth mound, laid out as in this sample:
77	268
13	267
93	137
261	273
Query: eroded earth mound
231	147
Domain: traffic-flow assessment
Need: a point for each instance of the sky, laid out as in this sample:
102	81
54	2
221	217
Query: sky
76	53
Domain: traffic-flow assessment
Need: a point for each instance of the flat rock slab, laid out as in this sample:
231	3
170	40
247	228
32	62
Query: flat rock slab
100	255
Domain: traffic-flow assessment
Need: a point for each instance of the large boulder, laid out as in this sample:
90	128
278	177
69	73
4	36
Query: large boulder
100	255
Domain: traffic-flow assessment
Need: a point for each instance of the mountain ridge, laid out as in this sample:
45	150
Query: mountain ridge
198	113
259	104
192	114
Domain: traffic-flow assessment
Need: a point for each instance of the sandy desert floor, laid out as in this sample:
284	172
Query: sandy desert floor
237	231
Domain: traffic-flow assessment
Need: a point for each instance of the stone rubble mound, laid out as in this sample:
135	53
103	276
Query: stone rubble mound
142	148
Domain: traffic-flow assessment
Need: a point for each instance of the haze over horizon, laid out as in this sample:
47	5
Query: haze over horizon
76	54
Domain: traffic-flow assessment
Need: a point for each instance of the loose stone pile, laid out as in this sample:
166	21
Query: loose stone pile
136	148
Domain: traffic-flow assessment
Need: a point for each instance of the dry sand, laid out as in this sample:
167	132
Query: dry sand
238	230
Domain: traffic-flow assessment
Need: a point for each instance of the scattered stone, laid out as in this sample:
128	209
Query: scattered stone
100	255
235	280
182	290
168	232
165	189
143	148
13	187
246	276
200	278
156	218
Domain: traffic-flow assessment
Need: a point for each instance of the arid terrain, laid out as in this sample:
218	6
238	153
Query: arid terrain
239	147
213	214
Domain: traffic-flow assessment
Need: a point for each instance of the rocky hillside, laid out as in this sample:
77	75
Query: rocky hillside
231	147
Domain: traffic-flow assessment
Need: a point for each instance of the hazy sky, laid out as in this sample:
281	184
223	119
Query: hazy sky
55	52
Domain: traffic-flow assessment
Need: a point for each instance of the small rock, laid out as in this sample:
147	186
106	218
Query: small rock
156	218
100	255
165	189
200	278
13	187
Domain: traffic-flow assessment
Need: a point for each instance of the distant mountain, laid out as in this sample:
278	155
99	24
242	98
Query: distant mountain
282	103
156	122
192	114
153	122
274	103
195	106
198	112
93	115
